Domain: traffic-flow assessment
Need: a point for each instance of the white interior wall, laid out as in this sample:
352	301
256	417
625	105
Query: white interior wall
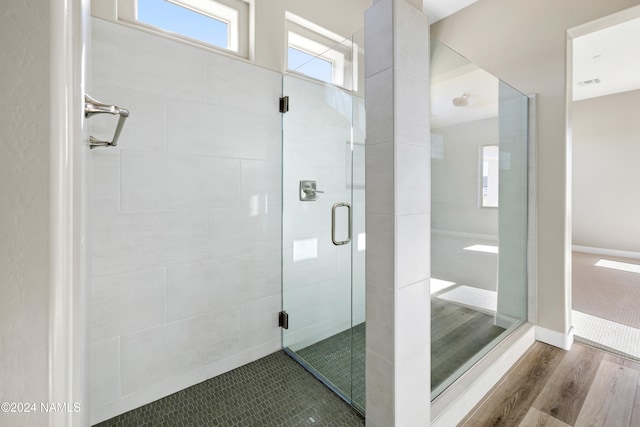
606	150
530	54
185	218
24	207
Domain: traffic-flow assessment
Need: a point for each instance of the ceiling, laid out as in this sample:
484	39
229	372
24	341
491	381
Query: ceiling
612	56
438	9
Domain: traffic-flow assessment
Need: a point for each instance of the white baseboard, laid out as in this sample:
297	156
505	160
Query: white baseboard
556	339
606	252
459	399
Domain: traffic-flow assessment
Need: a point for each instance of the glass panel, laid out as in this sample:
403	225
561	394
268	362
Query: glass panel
171	17
478	160
358	247
323	282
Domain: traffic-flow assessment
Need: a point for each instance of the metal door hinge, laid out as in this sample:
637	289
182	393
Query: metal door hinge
284	104
283	320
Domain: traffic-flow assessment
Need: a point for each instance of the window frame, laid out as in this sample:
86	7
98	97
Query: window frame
235	13
310	38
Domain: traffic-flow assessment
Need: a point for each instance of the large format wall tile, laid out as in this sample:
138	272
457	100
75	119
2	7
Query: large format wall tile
220	131
123	303
241	231
139	60
146	126
261	183
170	181
185	217
194	289
154	355
136	241
105	371
233	83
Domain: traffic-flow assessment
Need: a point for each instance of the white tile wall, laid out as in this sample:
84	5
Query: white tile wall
136	241
220	131
398	225
185	218
380	158
128	302
138	60
194	289
146	127
171	181
379	103
156	354
413	178
379	40
105	371
243	230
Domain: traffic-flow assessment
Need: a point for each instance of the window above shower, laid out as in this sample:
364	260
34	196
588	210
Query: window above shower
221	24
319	53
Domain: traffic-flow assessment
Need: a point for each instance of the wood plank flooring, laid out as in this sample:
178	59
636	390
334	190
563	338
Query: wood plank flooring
556	388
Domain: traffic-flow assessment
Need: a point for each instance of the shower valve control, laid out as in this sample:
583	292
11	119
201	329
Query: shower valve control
308	191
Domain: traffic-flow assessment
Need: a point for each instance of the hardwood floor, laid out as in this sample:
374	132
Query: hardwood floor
556	388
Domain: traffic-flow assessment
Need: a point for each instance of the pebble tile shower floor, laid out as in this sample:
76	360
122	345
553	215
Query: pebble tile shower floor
272	391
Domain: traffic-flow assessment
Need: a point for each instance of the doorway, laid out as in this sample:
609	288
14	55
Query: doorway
606	239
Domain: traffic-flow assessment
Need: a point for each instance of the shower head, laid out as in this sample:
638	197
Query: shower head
462	101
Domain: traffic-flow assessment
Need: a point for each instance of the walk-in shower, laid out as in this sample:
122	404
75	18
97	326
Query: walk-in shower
323	242
478	213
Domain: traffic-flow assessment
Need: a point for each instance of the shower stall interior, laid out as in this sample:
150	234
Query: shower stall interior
216	216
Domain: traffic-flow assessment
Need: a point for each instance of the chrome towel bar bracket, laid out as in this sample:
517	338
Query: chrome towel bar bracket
93	107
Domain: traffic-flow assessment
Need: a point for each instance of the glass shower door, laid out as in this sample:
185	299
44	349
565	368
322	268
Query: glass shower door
323	233
317	209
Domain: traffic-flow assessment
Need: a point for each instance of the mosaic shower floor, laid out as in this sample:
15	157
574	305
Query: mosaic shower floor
272	391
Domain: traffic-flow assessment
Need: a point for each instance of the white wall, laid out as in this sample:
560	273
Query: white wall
524	43
606	174
185	218
24	208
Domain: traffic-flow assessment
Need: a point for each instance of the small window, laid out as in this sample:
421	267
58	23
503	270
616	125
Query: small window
310	65
319	53
489	191
171	17
219	23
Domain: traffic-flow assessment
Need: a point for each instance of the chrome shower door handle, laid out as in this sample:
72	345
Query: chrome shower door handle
333	224
93	107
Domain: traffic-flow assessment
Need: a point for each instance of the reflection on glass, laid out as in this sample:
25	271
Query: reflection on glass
478	255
